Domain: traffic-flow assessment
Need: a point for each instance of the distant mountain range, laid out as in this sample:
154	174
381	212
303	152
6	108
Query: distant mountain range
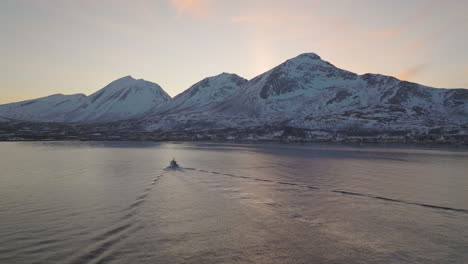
122	99
304	92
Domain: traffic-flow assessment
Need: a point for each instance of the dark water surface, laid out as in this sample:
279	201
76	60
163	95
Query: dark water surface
95	202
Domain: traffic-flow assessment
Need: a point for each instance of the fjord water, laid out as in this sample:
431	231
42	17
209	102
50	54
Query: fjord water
96	202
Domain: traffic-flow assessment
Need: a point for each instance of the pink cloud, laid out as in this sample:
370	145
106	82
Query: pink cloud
196	8
412	72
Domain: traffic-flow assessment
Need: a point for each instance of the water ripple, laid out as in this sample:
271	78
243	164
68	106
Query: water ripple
340	191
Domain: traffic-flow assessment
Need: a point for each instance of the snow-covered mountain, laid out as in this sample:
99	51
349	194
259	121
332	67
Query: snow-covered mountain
124	98
202	95
303	92
308	92
188	109
53	108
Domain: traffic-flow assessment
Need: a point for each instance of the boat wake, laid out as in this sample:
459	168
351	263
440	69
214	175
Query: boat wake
168	168
102	245
301	185
402	201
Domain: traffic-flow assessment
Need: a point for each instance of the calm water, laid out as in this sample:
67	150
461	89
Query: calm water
66	202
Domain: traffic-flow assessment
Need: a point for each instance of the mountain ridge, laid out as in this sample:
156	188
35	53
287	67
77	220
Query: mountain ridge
305	92
311	93
123	98
208	91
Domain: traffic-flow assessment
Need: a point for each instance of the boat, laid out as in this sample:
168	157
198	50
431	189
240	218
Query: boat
173	165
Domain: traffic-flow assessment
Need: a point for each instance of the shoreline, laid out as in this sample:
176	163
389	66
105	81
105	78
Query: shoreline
27	131
344	142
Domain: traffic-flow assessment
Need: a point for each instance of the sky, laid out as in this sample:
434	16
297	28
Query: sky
79	46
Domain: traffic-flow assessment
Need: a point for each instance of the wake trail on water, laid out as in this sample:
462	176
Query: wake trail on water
402	201
102	244
336	191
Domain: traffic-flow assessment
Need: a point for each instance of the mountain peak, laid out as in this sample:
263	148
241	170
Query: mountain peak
225	74
310	56
229	77
126	78
204	94
129	81
307	58
121	82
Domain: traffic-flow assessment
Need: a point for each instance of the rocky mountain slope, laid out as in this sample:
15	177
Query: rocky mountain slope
308	92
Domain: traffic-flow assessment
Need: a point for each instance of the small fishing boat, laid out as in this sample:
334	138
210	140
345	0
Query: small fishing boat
173	165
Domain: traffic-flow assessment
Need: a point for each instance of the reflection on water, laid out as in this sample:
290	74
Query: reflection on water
98	202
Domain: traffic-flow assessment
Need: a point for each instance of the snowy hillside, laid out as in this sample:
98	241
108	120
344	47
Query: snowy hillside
309	92
54	108
203	95
124	98
304	92
309	86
